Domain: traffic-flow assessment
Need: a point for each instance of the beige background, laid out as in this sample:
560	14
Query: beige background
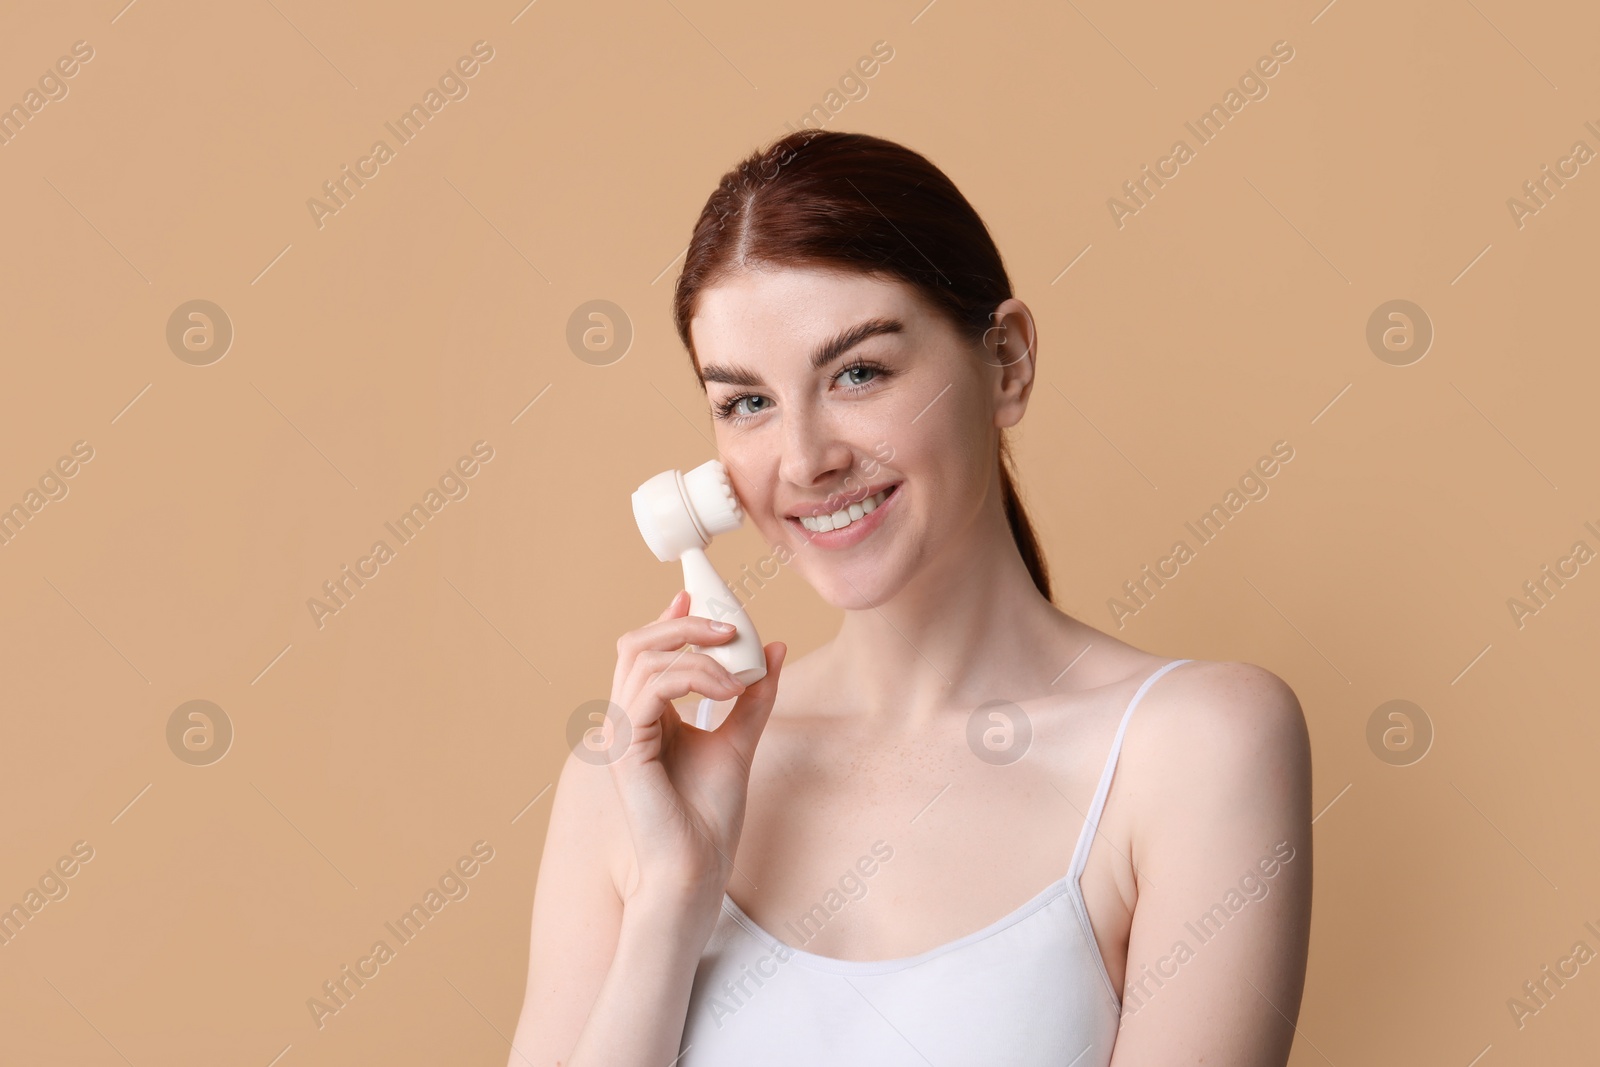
372	352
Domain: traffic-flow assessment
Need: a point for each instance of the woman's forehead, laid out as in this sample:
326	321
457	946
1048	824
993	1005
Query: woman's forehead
790	311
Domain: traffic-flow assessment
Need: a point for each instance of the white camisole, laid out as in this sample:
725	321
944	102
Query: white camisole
1028	990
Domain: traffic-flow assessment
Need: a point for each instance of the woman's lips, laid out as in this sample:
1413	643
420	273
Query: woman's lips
856	531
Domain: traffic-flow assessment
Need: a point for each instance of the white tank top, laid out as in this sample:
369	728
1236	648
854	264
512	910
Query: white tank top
1028	990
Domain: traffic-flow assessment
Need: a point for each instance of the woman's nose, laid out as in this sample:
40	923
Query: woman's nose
814	451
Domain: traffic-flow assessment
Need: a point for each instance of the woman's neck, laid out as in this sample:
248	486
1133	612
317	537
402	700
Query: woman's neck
970	627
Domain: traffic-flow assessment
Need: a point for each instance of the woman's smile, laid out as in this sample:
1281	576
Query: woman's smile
849	525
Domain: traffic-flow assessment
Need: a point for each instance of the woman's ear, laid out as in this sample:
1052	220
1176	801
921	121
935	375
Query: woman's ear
1010	348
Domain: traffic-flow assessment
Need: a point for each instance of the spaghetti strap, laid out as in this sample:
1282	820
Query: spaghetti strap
1080	854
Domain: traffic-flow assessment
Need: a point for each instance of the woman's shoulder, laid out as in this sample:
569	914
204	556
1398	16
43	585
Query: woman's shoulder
1222	699
1206	723
1228	683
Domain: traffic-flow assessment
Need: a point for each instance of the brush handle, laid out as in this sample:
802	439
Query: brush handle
710	598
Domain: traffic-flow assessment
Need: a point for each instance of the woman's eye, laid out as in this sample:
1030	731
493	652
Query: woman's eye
866	374
731	408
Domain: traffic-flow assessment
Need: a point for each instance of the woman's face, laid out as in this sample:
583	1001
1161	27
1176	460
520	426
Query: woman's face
832	389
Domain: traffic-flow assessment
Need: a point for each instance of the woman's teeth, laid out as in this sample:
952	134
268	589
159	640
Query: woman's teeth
844	516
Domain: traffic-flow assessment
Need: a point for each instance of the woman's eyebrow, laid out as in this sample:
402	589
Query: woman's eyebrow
824	354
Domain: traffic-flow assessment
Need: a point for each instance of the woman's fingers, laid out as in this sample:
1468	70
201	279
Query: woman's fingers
669	685
750	713
708	677
672	606
659	646
651	663
671	634
628	643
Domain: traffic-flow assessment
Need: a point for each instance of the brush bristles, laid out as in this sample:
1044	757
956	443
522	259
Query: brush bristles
712	497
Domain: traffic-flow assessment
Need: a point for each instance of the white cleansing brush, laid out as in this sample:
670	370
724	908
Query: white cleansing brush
679	513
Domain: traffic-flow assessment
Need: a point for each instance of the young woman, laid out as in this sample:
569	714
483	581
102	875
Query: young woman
959	844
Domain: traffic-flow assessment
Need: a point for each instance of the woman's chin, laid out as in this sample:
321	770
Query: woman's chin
859	591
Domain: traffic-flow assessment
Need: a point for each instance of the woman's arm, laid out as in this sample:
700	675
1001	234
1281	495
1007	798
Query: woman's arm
615	946
1222	847
607	984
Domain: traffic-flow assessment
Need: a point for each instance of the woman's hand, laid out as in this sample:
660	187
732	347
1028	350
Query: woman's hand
683	789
